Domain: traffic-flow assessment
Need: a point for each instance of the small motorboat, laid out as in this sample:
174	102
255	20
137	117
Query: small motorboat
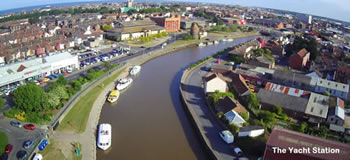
113	96
104	136
123	83
134	70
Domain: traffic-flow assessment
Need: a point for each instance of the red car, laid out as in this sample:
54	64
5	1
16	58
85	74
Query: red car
8	148
29	126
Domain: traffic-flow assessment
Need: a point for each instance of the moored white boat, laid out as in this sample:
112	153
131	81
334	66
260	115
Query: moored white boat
113	96
134	70
216	42
230	40
200	44
104	136
123	83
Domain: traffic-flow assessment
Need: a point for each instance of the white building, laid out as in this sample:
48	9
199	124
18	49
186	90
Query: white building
310	19
213	82
251	131
37	68
340	90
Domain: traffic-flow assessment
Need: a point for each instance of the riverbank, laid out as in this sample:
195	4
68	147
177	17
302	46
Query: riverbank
87	139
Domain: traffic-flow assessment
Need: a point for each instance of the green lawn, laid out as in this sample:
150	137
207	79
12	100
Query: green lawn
182	42
78	116
3	142
51	151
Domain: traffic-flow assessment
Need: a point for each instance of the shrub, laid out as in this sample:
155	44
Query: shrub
220	115
303	127
244	115
277	109
12	112
234	128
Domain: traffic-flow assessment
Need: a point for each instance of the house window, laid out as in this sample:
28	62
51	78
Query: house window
312	109
321	112
315	100
332	119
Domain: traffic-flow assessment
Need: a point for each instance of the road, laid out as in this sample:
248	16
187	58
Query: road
209	124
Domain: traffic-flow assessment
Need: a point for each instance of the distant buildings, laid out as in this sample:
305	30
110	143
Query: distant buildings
187	23
133	29
171	24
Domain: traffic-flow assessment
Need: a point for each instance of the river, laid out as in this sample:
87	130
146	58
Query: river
149	121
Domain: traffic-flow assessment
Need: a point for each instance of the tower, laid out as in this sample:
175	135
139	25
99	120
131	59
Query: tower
130	3
310	19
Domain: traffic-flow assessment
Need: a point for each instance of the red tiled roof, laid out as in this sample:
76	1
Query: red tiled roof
302	52
284	138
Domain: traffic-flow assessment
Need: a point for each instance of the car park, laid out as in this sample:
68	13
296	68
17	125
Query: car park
16	123
29	126
8	148
227	136
27	144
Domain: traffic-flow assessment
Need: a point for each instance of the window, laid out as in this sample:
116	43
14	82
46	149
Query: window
312	109
315	100
321	112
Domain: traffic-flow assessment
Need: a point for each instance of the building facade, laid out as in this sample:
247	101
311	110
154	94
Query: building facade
171	24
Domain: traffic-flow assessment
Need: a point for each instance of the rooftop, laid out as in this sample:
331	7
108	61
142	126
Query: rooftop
285	90
317	105
284	138
333	85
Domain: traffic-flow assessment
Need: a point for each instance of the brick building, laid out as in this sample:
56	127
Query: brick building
171	24
299	60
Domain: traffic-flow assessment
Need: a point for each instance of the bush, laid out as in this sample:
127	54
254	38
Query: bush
220	115
277	109
12	112
244	115
2	103
234	128
303	127
187	37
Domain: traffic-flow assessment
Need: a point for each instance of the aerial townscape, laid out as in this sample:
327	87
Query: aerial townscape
172	80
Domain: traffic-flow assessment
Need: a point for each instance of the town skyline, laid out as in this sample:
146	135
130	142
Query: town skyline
336	9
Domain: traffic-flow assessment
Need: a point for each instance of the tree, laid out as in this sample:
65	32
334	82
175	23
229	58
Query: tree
266	116
106	27
303	127
214	98
61	80
234	128
220	115
28	97
252	101
244	115
61	92
33	20
327	93
250	29
277	109
53	100
237	59
2	103
107	65
323	131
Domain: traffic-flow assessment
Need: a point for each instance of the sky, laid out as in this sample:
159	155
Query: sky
337	9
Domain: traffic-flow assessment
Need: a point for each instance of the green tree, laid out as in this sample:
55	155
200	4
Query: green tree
250	29
216	96
220	115
266	116
28	97
244	115
62	80
106	27
107	65
2	103
252	101
327	93
303	127
234	128
60	91
277	109
323	131
53	100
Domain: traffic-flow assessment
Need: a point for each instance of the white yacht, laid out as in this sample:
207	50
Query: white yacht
123	83
113	96
134	70
104	136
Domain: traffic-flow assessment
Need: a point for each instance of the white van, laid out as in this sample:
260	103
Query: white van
227	136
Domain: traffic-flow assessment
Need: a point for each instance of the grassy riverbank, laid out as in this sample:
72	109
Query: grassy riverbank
3	142
78	116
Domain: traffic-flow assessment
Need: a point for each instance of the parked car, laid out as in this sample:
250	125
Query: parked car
22	154
8	148
238	152
46	80
16	123
227	136
27	144
29	126
37	156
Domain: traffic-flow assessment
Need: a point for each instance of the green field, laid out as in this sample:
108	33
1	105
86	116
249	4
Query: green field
78	116
3	142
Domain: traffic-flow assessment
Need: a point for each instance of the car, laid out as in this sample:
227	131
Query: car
231	63
16	123
238	151
8	148
29	126
27	144
50	77
22	154
37	156
207	68
142	47
46	80
227	136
